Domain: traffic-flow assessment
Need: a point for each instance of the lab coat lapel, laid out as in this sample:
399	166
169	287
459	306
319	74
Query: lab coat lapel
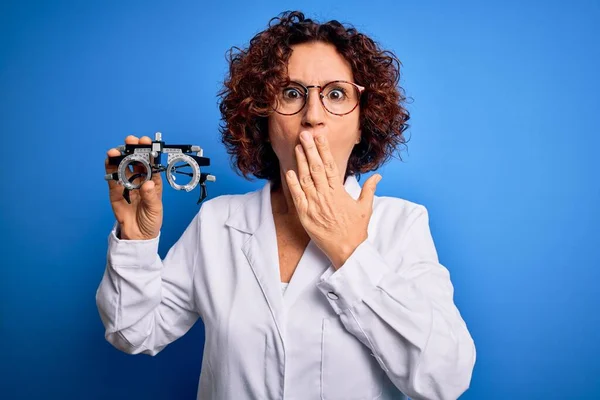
313	263
255	217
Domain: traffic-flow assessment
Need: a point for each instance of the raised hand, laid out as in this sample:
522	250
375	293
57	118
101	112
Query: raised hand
142	219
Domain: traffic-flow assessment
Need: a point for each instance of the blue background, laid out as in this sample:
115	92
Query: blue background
503	152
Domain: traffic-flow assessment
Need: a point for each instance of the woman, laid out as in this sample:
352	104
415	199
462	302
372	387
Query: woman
368	312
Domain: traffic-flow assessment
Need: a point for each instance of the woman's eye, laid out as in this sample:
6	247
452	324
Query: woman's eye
291	93
336	94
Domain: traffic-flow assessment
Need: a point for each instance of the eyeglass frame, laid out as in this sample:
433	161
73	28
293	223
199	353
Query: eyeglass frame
361	89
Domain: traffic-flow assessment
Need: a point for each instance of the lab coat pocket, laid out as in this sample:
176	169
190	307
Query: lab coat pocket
348	371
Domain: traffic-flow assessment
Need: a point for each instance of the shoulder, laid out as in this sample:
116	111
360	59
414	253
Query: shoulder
398	208
395	215
223	206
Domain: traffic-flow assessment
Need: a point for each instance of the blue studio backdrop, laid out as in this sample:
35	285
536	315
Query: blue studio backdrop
503	152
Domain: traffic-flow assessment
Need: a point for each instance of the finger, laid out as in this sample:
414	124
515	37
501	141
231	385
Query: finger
109	168
158	185
131	139
298	195
111	153
304	177
329	165
149	197
315	164
367	193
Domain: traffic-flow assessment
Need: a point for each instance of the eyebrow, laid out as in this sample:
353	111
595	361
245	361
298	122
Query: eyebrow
321	83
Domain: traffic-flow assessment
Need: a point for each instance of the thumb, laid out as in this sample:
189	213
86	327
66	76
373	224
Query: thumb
149	198
368	190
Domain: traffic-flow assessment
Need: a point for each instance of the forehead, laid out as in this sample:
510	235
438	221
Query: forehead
317	63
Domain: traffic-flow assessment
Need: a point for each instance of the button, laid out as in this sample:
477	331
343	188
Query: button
332	296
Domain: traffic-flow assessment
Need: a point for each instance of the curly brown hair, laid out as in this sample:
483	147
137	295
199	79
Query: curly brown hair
257	73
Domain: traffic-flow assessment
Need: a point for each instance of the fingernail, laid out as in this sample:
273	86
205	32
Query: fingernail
305	135
320	139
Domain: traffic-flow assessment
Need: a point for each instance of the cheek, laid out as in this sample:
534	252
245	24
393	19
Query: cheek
345	137
282	136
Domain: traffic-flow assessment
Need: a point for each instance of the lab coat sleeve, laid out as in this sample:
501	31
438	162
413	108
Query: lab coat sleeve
145	302
401	307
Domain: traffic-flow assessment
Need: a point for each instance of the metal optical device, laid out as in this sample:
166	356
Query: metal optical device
138	162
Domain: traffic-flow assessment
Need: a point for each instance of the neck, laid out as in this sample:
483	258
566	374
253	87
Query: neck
281	199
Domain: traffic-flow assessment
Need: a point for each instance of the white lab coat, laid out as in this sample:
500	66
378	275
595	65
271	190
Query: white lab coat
384	326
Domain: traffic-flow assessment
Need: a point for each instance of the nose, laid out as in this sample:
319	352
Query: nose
314	113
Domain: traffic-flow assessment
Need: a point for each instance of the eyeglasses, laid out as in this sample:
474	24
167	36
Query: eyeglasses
338	97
